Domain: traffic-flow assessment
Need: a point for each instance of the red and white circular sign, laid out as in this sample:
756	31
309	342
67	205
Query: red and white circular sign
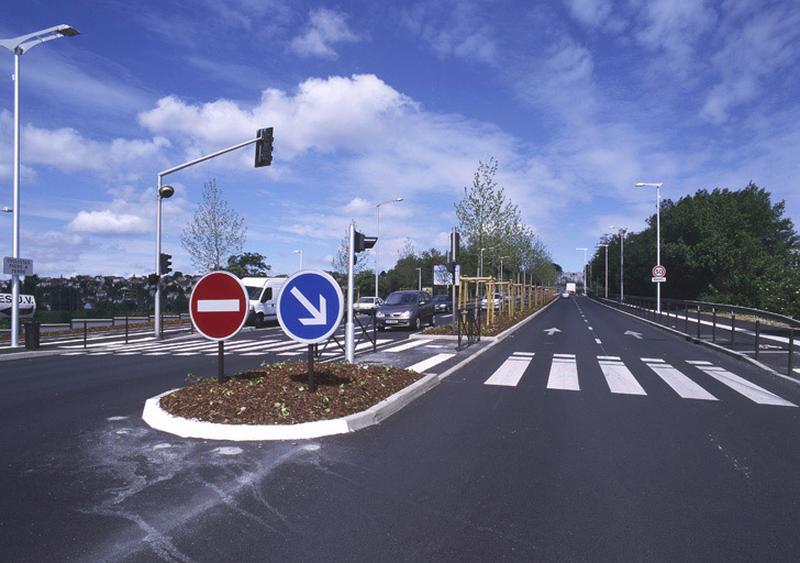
218	305
659	271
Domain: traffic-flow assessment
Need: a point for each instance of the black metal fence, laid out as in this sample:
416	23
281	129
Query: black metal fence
767	337
468	326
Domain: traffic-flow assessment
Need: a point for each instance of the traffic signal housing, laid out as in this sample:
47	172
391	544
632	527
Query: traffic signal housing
264	147
166	263
363	242
152	279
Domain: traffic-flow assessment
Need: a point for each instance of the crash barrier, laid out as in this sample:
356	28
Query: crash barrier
469	326
767	337
87	329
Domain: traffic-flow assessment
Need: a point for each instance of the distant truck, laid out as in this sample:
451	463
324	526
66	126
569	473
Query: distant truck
570	287
263	295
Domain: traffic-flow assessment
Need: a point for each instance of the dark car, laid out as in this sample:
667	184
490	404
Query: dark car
406	308
442	303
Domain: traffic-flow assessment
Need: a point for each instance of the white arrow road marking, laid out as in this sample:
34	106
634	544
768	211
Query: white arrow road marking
551	331
636	335
318	316
218	305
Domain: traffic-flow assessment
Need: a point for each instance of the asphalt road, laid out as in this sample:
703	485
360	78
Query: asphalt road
557	458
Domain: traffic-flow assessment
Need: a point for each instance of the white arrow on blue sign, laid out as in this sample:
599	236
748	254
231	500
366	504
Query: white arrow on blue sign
310	306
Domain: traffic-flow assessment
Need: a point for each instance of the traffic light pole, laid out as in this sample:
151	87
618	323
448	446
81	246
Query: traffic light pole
161	175
349	330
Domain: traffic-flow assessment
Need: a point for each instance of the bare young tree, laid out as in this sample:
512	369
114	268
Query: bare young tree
215	232
339	261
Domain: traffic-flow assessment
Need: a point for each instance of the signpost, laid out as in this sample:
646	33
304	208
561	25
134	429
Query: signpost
218	308
309	309
659	274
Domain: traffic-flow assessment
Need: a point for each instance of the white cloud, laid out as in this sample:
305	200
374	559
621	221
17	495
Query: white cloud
325	29
592	13
107	222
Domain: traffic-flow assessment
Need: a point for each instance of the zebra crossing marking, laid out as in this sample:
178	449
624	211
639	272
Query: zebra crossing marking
619	378
511	371
744	387
406	346
686	388
433	361
563	373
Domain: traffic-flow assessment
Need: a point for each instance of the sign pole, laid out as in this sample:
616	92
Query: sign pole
312	378
221	361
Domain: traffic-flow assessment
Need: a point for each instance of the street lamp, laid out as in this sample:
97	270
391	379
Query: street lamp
480	269
300	252
378	234
19	46
7	210
605	284
622	231
585	281
419	273
501	267
657	186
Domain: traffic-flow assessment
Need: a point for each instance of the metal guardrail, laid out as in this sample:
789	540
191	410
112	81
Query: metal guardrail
762	334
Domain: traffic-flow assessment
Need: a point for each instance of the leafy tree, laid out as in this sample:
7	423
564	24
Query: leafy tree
339	261
215	232
248	264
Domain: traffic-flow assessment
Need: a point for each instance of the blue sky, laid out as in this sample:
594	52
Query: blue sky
578	100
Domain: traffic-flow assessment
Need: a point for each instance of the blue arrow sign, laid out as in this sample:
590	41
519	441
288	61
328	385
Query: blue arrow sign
310	306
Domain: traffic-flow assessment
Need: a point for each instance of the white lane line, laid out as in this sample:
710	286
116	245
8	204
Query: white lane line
597	340
424	365
510	372
698	362
615	358
619	378
679	382
590	328
563	373
218	305
289	353
406	346
742	386
527	354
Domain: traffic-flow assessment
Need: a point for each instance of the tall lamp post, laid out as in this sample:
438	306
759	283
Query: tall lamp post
300	252
605	283
501	266
622	231
657	186
378	234
19	46
585	281
480	269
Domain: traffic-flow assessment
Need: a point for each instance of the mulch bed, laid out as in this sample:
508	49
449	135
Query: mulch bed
279	393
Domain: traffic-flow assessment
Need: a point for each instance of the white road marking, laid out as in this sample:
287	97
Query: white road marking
742	386
563	373
218	305
510	372
597	340
619	378
424	365
406	346
679	382
698	362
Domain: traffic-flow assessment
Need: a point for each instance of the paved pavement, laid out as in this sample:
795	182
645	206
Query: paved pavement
583	444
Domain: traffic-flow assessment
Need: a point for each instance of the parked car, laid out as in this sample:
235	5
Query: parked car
498	300
443	303
367	304
565	295
406	308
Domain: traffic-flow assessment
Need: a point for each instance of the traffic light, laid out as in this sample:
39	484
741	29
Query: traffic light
152	279
455	245
166	263
264	147
363	242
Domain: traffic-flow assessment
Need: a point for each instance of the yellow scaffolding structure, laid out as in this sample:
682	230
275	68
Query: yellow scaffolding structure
515	297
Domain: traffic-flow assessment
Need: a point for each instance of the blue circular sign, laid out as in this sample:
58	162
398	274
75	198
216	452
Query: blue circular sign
310	306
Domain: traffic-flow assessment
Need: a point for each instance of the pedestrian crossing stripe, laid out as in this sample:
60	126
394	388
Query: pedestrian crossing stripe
563	375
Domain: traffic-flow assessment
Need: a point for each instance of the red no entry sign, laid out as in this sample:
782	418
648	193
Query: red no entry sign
218	305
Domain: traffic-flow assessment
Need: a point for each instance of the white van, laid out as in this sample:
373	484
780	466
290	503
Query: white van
263	295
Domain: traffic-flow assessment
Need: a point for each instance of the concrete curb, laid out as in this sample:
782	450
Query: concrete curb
712	345
159	419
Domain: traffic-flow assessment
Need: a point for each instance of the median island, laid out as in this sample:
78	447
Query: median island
279	393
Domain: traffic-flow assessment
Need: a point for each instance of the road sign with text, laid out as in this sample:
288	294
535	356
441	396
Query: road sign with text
218	305
310	306
17	266
659	274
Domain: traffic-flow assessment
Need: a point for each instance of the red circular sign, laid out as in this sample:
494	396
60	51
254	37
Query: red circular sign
218	305
659	271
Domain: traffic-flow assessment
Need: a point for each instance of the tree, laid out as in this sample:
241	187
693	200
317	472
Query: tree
248	264
339	261
215	232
